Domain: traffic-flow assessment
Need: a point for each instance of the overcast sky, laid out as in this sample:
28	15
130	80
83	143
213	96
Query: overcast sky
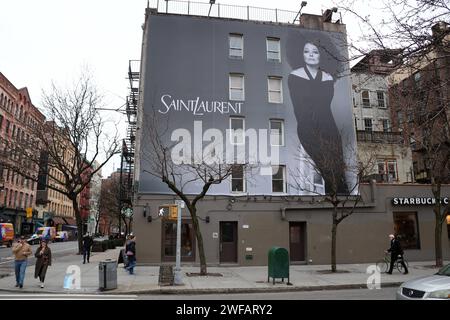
50	40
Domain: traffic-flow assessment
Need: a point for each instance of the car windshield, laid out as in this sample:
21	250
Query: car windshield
39	232
445	271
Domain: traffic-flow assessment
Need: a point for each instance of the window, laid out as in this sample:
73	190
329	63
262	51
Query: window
275	90
273	49
365	98
386	125
407	229
236	46
417	78
170	241
400	118
278	179
387	169
368	124
318	183
237	178
381	99
1	122
276	132
7	127
237	87
392	170
237	129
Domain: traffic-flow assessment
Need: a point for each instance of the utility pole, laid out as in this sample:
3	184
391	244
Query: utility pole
177	276
120	192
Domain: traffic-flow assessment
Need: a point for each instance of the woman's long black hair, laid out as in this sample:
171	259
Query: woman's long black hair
331	59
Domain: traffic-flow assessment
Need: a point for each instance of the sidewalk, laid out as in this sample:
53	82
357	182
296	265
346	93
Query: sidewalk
233	279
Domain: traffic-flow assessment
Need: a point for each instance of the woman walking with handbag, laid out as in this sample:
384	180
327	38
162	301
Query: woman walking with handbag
44	259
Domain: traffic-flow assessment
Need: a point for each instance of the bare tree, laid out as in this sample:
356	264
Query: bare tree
110	206
65	147
419	93
180	172
330	179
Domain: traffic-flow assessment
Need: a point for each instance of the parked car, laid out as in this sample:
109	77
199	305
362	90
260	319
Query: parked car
6	234
435	287
62	236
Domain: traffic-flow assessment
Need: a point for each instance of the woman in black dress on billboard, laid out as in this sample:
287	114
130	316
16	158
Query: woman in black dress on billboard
312	91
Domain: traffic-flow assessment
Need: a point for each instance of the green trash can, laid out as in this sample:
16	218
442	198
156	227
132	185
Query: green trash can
278	264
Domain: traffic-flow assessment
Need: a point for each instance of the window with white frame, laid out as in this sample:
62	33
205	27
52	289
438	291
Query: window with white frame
237	130
276	132
273	49
236	46
392	169
237	90
381	99
237	178
278	179
368	124
365	98
318	183
387	169
275	89
386	125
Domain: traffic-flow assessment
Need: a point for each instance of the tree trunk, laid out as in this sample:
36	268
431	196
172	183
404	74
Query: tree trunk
97	222
79	221
436	188
333	244
438	242
198	236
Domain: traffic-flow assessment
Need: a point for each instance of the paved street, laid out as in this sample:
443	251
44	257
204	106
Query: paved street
354	294
60	250
225	283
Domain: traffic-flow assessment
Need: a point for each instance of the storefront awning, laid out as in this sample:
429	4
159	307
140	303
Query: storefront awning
70	221
58	220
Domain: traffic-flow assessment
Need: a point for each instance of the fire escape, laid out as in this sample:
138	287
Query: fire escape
128	144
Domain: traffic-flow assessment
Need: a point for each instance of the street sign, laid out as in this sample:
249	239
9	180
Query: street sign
29	213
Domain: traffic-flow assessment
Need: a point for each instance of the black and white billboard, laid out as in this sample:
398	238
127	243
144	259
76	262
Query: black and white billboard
285	88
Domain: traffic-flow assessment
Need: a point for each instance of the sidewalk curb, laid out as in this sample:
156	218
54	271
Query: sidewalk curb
161	291
251	290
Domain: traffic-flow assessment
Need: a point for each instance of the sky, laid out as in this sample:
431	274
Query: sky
52	40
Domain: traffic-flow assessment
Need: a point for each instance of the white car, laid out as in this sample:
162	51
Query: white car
435	287
34	239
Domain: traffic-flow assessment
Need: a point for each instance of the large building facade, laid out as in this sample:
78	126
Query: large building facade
200	74
17	113
392	159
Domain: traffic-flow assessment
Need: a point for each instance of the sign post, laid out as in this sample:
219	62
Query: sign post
177	276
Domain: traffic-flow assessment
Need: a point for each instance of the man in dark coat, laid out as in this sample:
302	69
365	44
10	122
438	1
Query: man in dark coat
130	251
396	252
87	244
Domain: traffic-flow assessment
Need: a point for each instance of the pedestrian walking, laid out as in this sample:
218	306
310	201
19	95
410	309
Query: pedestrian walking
130	251
21	250
396	253
87	245
44	259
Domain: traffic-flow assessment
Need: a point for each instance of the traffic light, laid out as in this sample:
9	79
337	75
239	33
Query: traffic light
169	211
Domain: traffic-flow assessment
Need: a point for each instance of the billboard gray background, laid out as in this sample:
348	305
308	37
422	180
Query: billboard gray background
187	57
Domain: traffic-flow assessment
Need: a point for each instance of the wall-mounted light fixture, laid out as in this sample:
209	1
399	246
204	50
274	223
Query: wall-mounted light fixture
145	210
303	4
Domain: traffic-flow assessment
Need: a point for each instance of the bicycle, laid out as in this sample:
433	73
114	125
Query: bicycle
383	265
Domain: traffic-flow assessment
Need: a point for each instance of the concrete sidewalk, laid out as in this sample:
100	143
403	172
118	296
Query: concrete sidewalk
233	279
